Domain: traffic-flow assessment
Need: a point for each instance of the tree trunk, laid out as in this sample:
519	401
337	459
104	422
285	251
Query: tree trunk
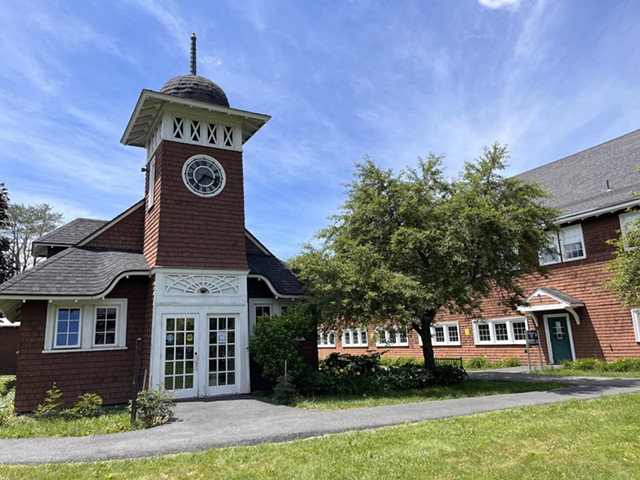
424	330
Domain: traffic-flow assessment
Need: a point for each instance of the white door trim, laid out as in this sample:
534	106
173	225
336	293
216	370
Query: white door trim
548	335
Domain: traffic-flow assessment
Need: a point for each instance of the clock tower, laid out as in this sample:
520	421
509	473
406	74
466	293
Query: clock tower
194	233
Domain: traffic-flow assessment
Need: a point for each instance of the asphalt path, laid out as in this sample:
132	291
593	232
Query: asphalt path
245	420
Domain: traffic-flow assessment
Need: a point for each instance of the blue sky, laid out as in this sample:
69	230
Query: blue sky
341	79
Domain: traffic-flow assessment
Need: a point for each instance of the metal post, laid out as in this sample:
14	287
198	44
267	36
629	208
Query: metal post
136	380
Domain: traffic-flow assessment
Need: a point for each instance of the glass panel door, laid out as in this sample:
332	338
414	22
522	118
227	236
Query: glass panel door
180	355
222	355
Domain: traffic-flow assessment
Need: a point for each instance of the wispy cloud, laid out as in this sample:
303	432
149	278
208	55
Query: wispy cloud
495	4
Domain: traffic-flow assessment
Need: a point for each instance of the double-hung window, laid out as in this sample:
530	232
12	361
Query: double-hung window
564	246
327	339
500	331
635	317
396	336
627	220
68	323
445	334
355	337
86	325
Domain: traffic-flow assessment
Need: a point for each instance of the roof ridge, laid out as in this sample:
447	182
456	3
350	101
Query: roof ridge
580	152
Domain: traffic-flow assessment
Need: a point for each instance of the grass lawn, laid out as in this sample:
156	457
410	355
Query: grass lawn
575	439
566	372
114	419
469	388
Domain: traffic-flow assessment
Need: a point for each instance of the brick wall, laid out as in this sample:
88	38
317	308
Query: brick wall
605	330
107	373
185	230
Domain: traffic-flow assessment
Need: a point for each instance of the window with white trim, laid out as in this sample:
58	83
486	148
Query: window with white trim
445	334
106	322
395	336
564	246
86	325
327	339
152	183
355	337
262	311
500	331
635	316
68	323
627	220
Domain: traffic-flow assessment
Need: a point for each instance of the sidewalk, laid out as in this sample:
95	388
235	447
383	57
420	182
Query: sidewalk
244	420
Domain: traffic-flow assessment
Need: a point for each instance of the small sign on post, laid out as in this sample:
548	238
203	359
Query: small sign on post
533	340
532	337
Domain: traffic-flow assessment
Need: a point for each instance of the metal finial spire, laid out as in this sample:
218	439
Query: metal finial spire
192	70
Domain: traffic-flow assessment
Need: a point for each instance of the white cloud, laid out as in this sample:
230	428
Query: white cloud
495	4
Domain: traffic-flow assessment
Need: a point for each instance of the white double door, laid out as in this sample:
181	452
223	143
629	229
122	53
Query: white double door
199	354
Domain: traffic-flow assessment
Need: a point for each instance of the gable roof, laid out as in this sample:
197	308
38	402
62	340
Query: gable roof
67	235
282	280
588	183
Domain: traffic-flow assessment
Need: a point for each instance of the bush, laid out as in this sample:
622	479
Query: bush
313	382
583	364
154	407
86	406
448	375
624	365
7	386
275	339
52	403
477	362
400	361
408	376
284	392
6	407
338	364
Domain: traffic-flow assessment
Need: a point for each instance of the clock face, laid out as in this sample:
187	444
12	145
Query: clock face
203	175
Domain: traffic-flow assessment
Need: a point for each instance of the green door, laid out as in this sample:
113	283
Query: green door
560	341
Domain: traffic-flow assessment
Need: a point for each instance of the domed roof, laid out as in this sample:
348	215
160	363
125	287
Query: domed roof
195	87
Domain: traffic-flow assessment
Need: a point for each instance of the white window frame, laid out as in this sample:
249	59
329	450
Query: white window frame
557	242
626	219
447	338
635	317
326	339
56	328
492	331
95	326
152	183
86	341
392	336
355	333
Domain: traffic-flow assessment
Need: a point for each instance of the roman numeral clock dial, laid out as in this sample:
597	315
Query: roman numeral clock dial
203	175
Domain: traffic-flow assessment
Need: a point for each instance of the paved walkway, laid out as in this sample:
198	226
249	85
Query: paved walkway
244	420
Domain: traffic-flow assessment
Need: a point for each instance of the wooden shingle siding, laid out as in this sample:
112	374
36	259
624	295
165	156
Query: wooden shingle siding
127	234
108	373
196	232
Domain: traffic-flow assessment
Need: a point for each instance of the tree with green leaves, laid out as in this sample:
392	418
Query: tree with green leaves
6	270
407	247
625	283
26	223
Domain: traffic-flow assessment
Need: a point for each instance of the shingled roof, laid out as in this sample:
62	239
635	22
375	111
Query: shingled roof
598	178
67	235
278	274
75	272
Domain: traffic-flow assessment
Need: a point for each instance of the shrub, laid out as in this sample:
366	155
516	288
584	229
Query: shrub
338	364
508	362
400	361
477	362
583	364
448	375
275	339
86	406
624	365
409	376
6	407
7	386
284	392
314	382
154	407
52	403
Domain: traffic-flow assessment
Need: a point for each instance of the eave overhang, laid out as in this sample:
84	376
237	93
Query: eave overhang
562	302
596	212
151	104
